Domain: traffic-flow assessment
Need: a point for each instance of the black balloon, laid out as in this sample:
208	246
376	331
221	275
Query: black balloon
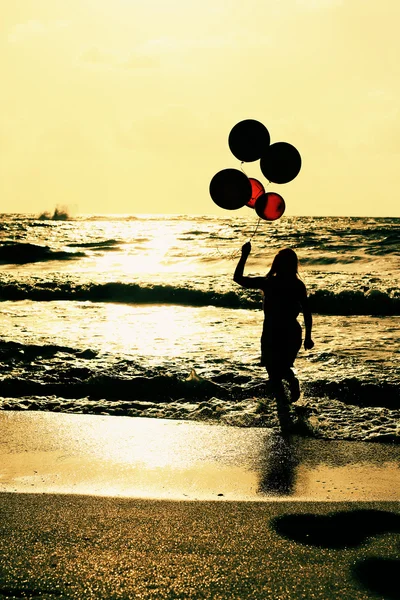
280	163
248	140
230	189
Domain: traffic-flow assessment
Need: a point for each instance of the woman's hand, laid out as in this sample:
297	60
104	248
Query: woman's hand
308	343
246	249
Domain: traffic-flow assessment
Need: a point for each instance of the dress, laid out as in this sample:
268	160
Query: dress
282	336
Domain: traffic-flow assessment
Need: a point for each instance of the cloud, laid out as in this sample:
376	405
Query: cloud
237	39
32	29
136	61
166	49
99	58
318	4
156	129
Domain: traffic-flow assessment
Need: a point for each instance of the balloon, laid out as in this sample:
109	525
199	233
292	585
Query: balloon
270	206
248	140
257	189
230	189
280	163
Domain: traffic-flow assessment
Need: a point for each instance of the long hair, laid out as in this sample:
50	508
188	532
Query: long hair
285	264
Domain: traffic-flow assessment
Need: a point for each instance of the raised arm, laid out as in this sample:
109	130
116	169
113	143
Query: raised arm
305	305
255	283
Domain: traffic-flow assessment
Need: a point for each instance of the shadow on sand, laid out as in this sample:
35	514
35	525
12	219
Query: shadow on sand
341	529
349	529
379	575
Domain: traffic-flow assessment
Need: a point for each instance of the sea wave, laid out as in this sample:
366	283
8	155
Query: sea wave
123	292
389	244
194	398
19	253
64	379
165	388
373	239
347	302
357	392
312	417
43	224
103	245
342	259
355	302
83	378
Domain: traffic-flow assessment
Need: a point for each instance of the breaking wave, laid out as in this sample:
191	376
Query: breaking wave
17	253
369	302
63	379
103	245
139	383
60	214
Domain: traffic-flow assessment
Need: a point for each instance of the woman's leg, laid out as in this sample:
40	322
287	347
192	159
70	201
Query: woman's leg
282	401
294	385
293	346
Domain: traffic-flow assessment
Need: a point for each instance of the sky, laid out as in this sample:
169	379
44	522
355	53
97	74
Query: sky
125	106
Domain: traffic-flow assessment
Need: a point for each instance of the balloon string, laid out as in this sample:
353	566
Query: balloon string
254	232
235	253
241	168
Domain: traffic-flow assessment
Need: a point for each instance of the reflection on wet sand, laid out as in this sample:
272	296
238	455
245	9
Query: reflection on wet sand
278	473
160	458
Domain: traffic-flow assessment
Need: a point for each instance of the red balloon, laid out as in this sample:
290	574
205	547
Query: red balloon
257	189
270	206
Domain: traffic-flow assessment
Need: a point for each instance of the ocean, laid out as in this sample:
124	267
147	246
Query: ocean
138	315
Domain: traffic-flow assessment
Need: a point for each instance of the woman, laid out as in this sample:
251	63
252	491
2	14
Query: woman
285	296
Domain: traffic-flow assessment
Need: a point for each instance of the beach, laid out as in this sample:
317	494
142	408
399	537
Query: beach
199	300
113	507
141	455
62	546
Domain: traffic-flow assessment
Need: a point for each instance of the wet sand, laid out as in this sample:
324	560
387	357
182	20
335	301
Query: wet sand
143	508
160	458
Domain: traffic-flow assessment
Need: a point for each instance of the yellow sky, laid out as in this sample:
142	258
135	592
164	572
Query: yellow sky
126	105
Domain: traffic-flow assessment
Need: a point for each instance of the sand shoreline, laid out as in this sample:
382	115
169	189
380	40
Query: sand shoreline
124	508
160	458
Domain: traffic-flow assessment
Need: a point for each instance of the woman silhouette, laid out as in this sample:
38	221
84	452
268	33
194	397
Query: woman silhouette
285	296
